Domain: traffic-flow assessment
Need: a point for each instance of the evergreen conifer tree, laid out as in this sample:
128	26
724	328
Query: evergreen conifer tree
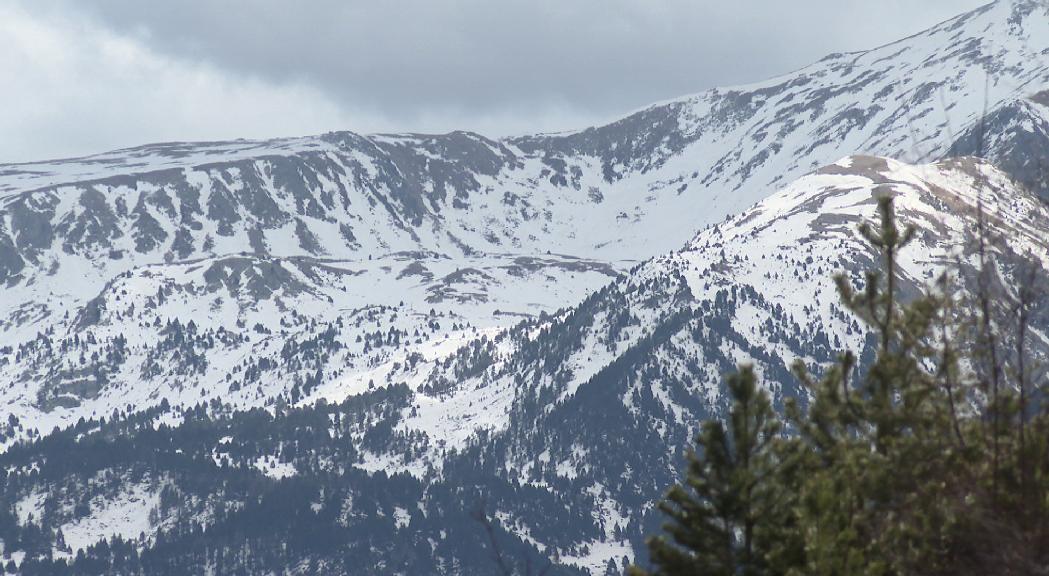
718	518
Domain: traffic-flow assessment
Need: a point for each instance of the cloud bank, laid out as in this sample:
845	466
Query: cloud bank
93	75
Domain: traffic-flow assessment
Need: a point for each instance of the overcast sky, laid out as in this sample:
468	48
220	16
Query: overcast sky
84	76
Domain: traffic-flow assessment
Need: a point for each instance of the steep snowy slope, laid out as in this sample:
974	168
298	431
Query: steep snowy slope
177	271
1015	135
609	393
905	100
772	267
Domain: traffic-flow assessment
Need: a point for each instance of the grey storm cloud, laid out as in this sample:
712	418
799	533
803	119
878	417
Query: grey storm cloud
400	57
501	66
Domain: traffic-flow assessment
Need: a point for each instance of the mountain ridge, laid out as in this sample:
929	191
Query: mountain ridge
593	202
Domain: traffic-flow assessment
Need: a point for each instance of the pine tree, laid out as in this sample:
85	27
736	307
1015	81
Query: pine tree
719	520
879	454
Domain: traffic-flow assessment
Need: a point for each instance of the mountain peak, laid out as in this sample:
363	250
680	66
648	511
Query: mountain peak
1023	15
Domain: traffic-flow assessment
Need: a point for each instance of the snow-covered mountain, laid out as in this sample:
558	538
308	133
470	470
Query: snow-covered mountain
610	393
756	288
263	244
540	321
579	416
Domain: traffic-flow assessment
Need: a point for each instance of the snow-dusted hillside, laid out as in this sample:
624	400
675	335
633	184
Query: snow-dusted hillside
191	272
767	274
611	392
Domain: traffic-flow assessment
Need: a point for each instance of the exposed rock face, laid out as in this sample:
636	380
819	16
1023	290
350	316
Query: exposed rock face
1015	136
